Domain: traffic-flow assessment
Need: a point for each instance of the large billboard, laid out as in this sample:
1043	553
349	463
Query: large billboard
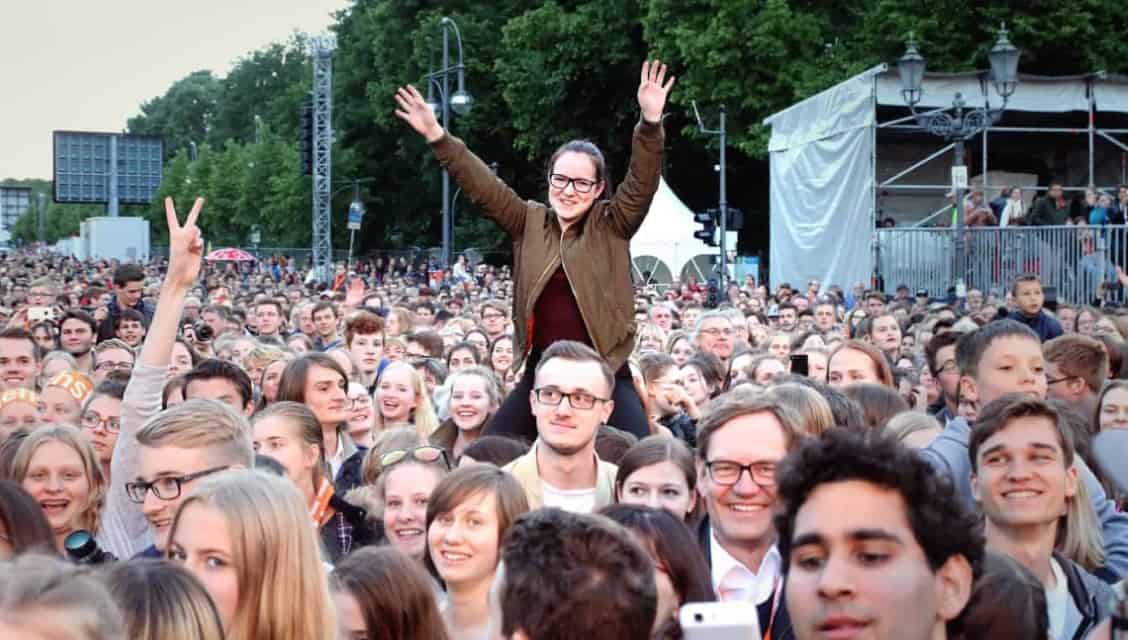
14	201
95	167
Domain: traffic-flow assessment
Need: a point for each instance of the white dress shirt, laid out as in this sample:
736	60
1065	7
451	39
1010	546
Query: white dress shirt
735	582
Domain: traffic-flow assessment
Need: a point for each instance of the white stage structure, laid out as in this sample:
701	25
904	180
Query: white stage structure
664	248
824	158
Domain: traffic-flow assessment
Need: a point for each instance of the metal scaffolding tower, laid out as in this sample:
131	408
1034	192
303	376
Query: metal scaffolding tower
323	47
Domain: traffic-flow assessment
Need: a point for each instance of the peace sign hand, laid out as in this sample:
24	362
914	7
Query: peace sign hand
653	90
186	245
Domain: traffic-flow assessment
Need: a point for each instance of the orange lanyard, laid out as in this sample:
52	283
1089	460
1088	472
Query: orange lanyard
777	591
320	511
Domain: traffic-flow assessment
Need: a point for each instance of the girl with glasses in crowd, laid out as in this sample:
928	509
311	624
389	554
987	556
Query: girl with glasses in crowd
101	420
475	395
402	398
60	470
246	536
576	257
407	478
362	415
469	513
291	434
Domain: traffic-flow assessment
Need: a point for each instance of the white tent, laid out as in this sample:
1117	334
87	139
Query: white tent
664	248
824	153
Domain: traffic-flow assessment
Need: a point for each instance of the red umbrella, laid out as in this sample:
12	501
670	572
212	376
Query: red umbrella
229	255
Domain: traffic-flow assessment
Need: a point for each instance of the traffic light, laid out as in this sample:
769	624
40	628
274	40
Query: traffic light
708	221
305	135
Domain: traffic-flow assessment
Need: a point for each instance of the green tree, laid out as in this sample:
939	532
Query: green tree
182	114
268	84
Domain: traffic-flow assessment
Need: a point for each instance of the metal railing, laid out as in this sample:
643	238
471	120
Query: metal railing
1079	262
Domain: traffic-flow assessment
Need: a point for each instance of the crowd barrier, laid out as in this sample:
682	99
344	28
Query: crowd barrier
1080	263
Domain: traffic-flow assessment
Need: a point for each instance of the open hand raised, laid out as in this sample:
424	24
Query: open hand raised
653	90
415	111
186	245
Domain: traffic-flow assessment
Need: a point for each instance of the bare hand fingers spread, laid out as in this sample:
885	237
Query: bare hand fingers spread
170	214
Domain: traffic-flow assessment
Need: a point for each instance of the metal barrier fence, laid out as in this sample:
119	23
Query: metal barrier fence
1079	262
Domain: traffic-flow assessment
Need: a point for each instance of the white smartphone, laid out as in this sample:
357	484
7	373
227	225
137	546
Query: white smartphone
719	621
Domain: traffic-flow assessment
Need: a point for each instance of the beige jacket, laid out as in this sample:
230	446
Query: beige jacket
528	475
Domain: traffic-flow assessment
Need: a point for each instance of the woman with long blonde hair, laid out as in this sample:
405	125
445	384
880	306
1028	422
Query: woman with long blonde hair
402	398
57	465
247	536
161	600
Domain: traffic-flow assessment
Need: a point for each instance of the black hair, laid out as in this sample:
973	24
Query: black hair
127	273
496	450
26	526
941	522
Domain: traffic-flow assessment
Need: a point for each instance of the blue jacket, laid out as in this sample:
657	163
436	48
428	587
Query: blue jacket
1046	327
949	455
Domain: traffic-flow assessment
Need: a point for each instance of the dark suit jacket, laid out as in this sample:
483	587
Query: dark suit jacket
781	627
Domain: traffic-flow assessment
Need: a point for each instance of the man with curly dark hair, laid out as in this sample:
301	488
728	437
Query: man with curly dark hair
569	576
873	541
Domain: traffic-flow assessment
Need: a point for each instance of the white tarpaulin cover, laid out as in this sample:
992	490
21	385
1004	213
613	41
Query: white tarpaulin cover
822	185
1033	93
666	236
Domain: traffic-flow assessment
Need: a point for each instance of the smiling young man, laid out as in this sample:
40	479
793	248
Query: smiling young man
77	333
162	453
571	398
129	285
19	359
741	439
1024	478
1006	357
874	543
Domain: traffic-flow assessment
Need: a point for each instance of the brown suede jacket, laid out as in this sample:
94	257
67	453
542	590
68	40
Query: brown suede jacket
595	252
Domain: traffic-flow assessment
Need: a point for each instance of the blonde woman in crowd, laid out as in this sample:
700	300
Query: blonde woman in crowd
58	467
402	398
246	536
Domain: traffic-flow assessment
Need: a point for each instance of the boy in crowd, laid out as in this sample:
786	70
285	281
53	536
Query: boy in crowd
1006	357
1024	478
1029	300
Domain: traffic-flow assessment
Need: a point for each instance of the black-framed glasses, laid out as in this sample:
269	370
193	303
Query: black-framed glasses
91	420
167	488
727	472
561	182
552	396
426	454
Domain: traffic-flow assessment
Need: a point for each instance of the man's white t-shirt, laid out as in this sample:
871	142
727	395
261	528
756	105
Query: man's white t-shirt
572	500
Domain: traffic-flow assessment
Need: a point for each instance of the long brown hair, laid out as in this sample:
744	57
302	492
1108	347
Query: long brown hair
393	592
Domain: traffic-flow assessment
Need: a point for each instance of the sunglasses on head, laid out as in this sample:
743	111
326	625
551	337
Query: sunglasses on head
425	454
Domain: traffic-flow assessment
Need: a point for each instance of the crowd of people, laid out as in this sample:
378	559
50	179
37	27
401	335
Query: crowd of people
207	454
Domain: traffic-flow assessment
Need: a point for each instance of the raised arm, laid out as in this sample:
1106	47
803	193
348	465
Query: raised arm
480	185
124	527
631	202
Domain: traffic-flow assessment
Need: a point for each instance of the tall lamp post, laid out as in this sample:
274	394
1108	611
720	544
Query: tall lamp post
957	123
460	101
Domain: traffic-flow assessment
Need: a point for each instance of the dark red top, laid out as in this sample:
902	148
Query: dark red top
556	315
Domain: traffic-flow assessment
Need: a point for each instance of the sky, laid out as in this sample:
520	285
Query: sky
89	64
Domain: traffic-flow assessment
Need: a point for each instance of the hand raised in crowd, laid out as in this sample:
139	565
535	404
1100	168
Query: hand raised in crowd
653	90
186	245
677	396
414	110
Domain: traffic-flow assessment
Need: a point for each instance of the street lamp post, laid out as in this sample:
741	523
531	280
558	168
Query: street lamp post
460	101
962	123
